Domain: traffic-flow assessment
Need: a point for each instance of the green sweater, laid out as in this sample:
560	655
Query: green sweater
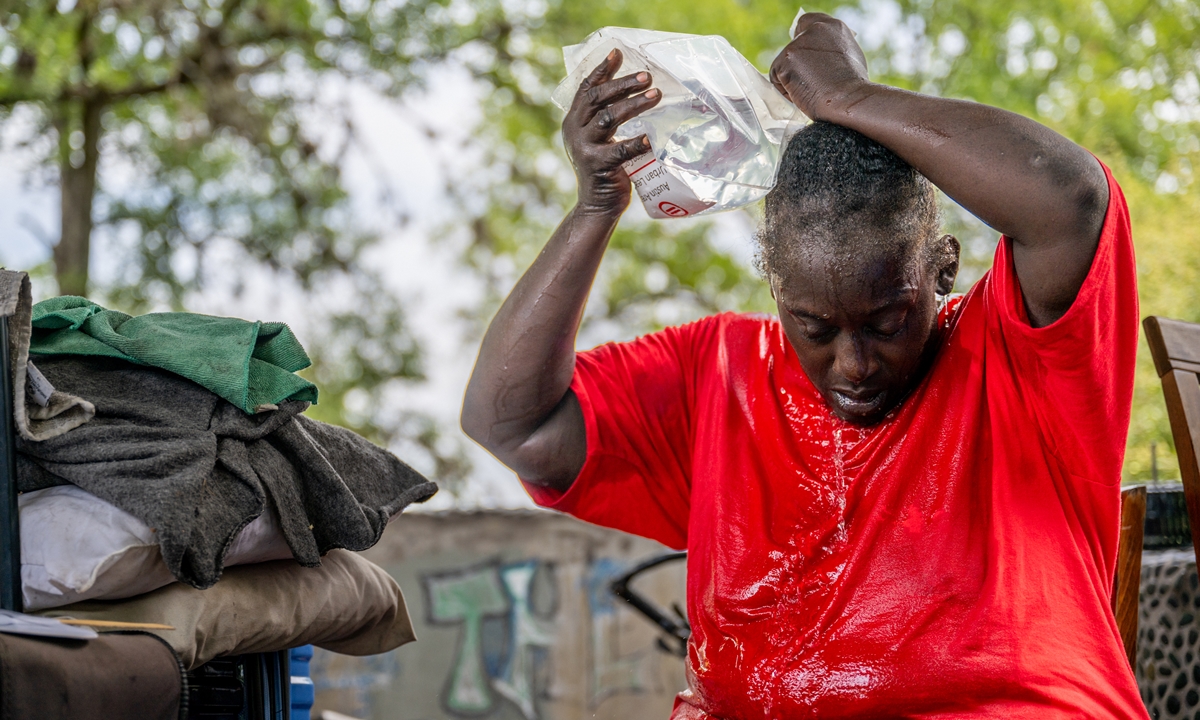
250	364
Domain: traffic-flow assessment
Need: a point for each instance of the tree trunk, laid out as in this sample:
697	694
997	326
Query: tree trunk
78	181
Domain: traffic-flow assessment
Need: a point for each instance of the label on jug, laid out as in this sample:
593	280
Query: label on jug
663	193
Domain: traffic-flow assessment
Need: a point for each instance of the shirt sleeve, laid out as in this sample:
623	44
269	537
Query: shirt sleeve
637	400
1076	374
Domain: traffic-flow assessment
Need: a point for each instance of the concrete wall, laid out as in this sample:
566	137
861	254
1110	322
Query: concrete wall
514	620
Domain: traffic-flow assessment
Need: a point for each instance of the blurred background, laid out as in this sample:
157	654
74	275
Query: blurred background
377	173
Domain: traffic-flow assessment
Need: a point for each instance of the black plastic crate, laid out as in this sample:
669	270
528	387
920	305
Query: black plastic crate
1167	523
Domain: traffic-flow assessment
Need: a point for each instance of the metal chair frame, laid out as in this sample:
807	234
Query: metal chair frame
10	528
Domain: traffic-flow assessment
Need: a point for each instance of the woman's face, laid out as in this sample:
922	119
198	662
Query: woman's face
864	325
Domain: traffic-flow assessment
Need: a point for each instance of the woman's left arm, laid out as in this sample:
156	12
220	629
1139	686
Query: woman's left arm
1025	180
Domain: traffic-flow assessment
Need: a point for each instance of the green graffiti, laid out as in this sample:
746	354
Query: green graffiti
467	597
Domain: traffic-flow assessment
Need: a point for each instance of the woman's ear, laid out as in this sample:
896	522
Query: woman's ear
947	263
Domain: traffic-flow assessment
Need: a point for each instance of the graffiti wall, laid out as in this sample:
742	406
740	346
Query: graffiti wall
514	621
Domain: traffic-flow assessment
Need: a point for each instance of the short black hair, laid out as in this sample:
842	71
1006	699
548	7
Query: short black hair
840	188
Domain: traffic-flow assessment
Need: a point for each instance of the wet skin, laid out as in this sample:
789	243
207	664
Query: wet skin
863	327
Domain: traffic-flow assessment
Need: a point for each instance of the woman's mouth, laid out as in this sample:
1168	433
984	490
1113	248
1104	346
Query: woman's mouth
858	404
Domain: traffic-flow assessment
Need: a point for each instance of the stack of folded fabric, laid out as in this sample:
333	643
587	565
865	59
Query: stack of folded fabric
156	451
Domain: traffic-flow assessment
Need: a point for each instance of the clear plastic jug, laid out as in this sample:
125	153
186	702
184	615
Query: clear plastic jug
717	134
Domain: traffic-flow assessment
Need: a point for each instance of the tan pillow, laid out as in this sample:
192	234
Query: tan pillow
348	605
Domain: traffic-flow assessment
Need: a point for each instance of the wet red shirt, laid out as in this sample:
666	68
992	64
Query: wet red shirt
956	560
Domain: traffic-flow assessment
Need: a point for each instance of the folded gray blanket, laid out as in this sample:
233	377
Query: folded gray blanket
197	469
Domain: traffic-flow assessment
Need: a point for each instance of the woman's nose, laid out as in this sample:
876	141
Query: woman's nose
852	361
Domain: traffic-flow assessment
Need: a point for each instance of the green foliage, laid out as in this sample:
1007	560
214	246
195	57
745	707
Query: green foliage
1117	76
652	264
1168	268
208	112
205	102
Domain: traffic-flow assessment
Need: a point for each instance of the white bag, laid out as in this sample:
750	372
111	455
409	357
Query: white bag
716	136
75	546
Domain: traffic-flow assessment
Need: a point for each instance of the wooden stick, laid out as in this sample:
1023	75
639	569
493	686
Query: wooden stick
114	624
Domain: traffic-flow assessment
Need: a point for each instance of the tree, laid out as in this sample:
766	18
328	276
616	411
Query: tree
1118	76
206	100
203	112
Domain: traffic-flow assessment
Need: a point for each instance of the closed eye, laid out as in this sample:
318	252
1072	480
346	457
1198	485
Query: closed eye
887	324
812	328
887	332
821	335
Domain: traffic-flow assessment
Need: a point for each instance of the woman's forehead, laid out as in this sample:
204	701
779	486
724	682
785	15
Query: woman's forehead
832	281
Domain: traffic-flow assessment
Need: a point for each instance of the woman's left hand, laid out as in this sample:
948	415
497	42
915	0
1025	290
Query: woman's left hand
820	67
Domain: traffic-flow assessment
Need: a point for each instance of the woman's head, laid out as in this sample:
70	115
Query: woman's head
852	250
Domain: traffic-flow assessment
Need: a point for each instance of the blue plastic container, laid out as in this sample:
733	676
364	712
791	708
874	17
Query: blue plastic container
302	684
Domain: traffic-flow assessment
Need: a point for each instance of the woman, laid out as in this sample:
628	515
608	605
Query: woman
894	505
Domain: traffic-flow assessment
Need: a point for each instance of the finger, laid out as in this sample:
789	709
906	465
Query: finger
598	96
603	72
608	119
777	76
626	150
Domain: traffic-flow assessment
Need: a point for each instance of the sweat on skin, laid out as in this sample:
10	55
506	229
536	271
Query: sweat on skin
893	504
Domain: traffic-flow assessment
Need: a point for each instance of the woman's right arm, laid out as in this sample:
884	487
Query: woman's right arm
518	403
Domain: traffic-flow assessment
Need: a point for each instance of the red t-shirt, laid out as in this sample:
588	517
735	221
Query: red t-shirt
956	560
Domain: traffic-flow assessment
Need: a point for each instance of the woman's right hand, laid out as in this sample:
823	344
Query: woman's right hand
600	106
